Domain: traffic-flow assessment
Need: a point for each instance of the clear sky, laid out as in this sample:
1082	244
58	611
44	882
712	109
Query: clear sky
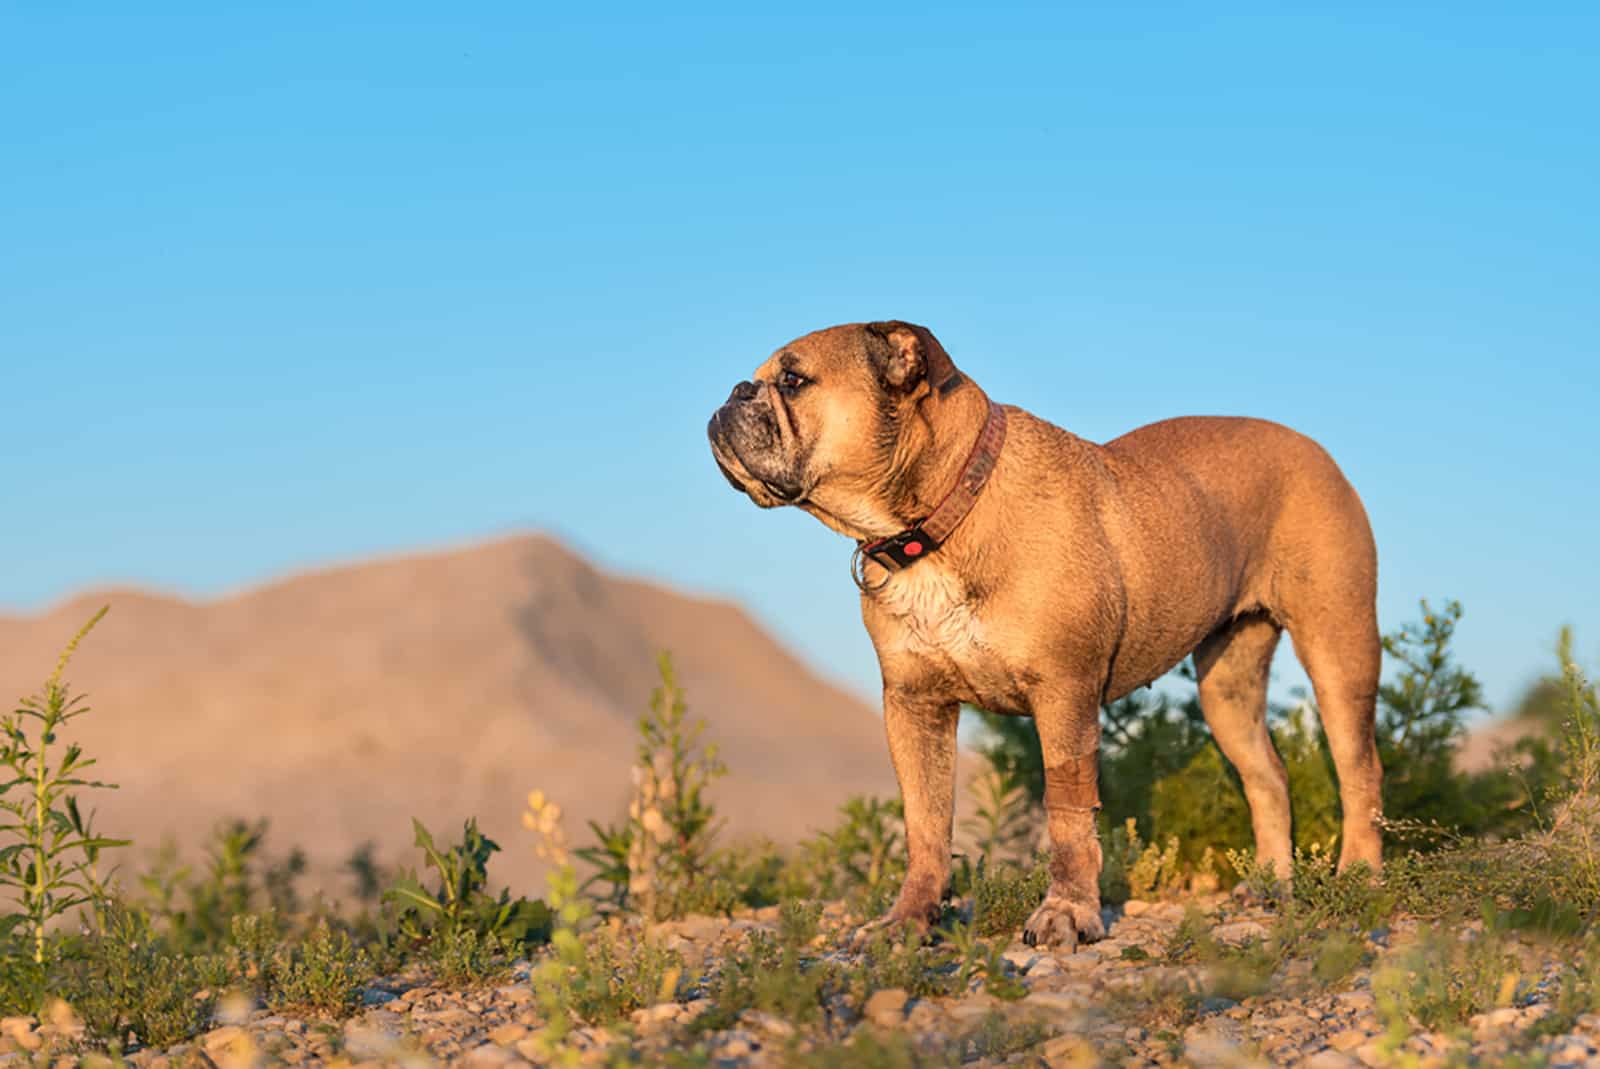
296	283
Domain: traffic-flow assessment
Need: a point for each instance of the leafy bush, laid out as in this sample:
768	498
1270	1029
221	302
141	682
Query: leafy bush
1004	896
1005	822
861	858
123	982
460	902
324	972
196	912
1446	977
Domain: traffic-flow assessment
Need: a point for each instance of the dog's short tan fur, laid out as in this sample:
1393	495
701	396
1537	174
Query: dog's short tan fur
1083	572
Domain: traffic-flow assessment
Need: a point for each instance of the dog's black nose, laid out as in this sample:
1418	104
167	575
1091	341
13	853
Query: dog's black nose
745	391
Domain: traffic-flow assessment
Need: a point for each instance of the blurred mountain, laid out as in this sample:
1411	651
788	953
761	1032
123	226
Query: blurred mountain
342	702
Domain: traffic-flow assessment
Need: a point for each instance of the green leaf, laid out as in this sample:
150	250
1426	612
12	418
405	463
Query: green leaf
408	893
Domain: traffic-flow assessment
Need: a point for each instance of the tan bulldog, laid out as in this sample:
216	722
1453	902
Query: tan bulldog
1007	563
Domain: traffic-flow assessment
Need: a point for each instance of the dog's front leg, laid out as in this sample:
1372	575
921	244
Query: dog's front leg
922	744
1069	735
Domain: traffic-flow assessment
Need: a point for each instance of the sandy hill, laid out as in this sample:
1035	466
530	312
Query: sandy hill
342	702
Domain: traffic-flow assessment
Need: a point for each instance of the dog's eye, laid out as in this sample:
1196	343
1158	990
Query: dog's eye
791	380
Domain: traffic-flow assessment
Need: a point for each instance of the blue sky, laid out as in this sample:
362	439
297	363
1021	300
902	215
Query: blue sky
289	284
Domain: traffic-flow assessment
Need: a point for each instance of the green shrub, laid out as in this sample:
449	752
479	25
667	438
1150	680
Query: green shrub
862	858
1445	978
464	956
123	982
460	902
1005	821
196	912
1004	896
324	973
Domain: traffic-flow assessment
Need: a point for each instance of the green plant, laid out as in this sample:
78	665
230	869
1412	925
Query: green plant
460	900
613	844
1003	896
197	912
672	824
323	972
1003	824
975	958
122	981
465	956
1446	977
50	863
861	857
772	975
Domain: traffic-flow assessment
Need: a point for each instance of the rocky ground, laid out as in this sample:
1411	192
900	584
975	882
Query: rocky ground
1119	1002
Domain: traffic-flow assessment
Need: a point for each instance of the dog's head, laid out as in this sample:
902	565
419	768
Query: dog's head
836	423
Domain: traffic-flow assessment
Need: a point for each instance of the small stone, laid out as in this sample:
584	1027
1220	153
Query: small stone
1055	1000
655	1016
507	1034
489	1056
20	1031
515	994
1360	1002
1347	1040
1044	967
700	928
218	1038
1238	932
1330	1059
971	1010
1504	1017
1135	907
767	1022
1371	1053
886	1007
737	1045
1216	1004
1022	958
1066	1051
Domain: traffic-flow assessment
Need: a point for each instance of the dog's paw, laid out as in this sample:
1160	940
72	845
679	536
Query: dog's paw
1062	923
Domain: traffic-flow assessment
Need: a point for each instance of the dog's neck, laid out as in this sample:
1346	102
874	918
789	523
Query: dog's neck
934	452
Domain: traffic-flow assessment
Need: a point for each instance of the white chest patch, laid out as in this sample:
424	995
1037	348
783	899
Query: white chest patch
932	605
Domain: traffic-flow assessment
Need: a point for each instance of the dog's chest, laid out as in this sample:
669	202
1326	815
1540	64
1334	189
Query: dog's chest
938	619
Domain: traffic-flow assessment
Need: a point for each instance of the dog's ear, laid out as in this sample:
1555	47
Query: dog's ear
904	354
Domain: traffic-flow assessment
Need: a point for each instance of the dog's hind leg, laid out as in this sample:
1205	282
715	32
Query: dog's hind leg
1233	665
1340	650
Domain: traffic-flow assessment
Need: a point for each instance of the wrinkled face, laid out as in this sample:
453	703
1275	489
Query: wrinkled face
822	423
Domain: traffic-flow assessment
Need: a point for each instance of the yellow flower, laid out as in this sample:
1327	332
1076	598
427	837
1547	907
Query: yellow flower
536	800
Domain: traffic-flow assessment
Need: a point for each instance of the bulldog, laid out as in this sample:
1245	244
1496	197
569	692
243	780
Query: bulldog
1007	563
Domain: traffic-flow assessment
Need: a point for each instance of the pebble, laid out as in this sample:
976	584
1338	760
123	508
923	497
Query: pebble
507	1034
886	1007
1238	932
1349	1039
1331	1059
